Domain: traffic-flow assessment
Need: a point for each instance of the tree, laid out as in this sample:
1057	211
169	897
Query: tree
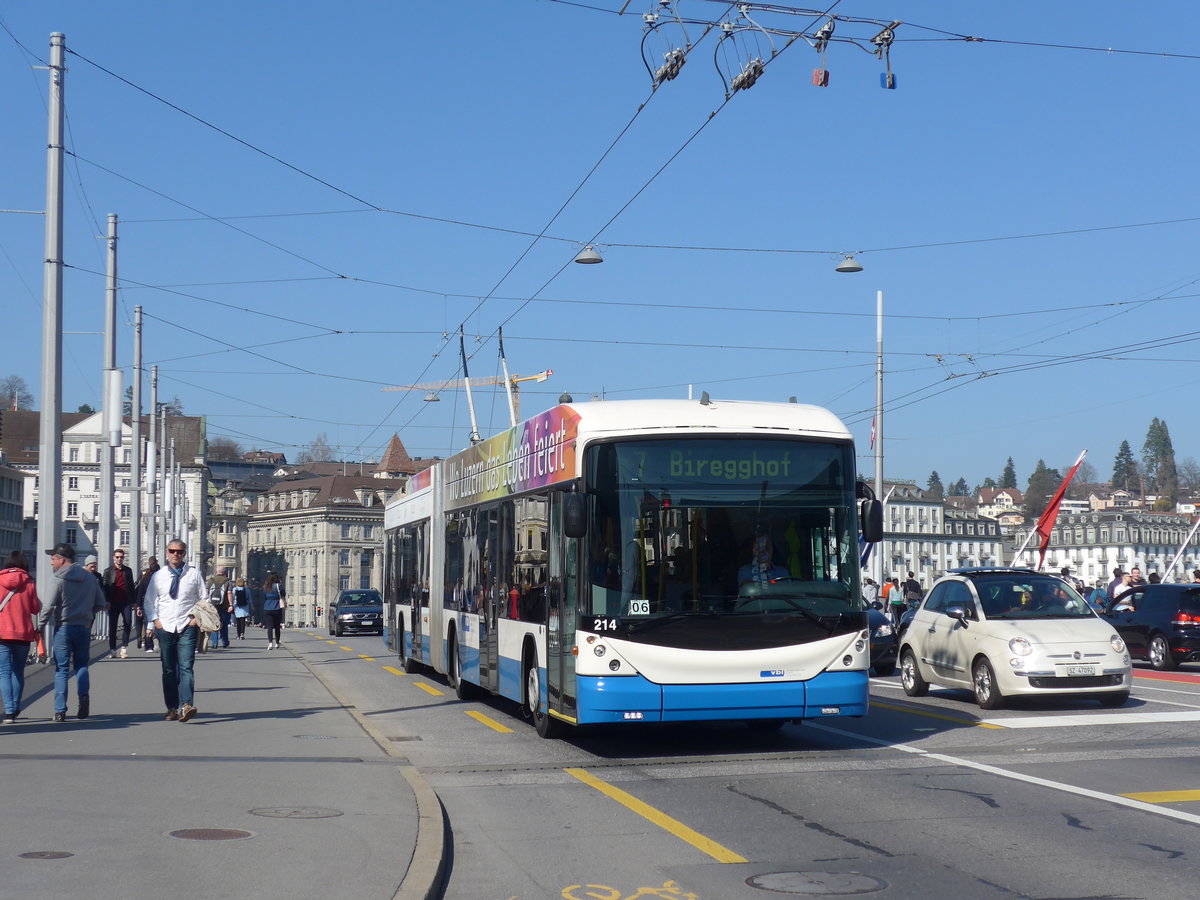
989	482
1158	461
936	489
1082	483
224	449
960	488
14	387
1042	484
1008	478
1189	475
172	407
318	451
1125	472
85	408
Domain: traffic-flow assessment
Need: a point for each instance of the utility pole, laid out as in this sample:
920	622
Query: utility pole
49	519
880	564
152	468
111	416
135	460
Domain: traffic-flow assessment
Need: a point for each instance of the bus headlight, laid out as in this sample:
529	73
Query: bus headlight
599	649
614	664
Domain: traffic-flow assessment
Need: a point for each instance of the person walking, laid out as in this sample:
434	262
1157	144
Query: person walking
19	603
74	602
218	589
119	587
145	622
173	592
241	607
273	606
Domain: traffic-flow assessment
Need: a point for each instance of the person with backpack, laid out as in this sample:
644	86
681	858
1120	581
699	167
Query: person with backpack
217	587
19	603
241	607
912	591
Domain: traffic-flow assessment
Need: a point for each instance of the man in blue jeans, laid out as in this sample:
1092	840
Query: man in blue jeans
174	591
75	601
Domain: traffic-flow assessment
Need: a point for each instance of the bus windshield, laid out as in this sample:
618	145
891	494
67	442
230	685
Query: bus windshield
754	531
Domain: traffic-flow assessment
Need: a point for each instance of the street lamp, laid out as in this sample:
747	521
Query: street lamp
849	264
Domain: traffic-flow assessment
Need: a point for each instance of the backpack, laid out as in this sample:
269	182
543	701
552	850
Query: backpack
241	597
912	591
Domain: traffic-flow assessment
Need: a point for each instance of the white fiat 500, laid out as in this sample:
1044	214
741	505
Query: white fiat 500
1012	632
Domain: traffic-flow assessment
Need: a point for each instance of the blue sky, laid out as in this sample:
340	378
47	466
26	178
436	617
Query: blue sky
279	299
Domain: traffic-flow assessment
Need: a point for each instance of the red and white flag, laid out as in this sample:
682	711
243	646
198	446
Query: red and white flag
1045	522
872	432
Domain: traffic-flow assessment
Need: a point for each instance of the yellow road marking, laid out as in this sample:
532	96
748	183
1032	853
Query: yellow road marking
394	671
1164	796
347	649
662	820
933	715
429	689
489	722
367	658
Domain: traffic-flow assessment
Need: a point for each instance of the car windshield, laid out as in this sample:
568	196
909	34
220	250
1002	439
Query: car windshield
1030	597
361	598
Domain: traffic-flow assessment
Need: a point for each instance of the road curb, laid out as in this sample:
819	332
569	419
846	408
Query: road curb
426	869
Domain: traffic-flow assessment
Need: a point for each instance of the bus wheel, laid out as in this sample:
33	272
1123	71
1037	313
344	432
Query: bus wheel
547	726
410	665
463	689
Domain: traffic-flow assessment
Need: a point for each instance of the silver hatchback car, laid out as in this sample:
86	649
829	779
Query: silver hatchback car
1012	632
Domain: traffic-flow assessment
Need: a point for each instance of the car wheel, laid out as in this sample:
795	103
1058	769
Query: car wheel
987	692
331	628
1159	653
884	669
547	726
910	675
337	630
1117	699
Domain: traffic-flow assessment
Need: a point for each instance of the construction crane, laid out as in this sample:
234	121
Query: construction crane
513	381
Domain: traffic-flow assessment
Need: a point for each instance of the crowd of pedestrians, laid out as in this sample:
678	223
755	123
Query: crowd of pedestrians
171	606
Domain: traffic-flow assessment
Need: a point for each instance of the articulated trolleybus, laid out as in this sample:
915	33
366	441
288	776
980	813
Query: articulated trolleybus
641	561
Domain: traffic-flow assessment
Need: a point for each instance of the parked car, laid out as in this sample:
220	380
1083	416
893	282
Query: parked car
883	642
1012	632
356	612
1163	626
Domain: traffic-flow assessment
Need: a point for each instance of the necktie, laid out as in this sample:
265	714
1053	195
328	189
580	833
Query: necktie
174	589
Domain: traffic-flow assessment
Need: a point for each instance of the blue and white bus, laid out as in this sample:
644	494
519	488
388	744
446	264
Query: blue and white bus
640	561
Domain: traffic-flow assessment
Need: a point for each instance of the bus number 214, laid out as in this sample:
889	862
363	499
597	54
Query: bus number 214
604	625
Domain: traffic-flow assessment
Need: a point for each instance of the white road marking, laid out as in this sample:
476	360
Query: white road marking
1116	799
1113	718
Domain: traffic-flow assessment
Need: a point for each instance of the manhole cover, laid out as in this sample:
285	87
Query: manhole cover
817	884
211	834
46	854
314	737
296	812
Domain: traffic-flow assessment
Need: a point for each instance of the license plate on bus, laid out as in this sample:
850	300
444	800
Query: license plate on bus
1080	670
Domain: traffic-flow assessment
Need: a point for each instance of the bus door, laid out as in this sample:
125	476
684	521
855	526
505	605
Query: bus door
489	605
417	589
562	587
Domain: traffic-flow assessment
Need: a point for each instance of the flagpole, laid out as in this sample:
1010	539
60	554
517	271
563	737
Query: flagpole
1048	517
1182	547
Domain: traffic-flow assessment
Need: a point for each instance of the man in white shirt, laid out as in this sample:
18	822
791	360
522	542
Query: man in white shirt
174	590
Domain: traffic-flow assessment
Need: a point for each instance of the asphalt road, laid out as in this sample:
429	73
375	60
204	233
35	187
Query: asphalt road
923	798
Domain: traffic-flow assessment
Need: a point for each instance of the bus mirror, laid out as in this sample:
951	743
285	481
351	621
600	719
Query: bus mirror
574	515
871	516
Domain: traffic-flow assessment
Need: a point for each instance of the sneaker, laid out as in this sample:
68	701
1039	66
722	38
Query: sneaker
270	645
186	712
60	716
85	706
149	649
124	653
10	719
171	716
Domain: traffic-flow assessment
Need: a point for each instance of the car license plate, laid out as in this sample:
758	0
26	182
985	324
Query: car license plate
1080	670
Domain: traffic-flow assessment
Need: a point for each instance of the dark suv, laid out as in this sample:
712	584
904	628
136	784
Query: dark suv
1163	626
356	612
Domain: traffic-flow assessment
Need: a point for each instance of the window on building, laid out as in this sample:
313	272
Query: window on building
72	483
72	509
96	510
344	582
72	535
35	507
345	532
124	539
124	510
125	482
367	531
343	557
73	455
364	581
228	550
95	484
364	558
304	584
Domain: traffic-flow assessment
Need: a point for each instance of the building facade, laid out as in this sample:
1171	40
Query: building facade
12	510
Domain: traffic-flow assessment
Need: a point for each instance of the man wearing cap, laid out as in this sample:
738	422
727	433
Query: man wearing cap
173	593
75	600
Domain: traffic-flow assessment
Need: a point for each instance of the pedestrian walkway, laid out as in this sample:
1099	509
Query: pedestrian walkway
273	790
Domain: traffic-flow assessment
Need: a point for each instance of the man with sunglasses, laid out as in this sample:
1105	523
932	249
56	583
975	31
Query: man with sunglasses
174	591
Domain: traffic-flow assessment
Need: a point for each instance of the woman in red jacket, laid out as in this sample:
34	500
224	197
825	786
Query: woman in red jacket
19	603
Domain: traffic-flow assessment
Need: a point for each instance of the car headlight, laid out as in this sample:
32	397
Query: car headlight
882	631
1020	646
346	616
1117	644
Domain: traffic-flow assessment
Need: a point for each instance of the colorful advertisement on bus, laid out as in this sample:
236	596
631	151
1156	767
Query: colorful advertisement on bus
537	453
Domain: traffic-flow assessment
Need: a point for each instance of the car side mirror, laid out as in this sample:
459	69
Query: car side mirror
958	614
